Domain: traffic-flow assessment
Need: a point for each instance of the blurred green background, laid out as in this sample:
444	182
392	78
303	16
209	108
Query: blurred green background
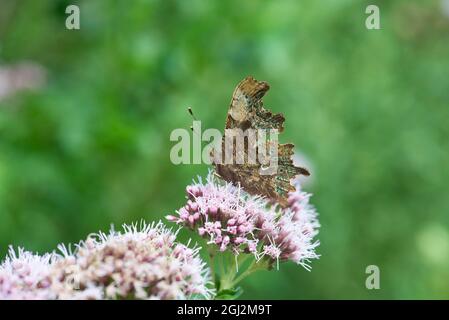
368	108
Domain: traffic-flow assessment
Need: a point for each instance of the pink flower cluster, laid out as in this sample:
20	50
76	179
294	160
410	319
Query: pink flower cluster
224	214
231	219
24	276
141	262
291	235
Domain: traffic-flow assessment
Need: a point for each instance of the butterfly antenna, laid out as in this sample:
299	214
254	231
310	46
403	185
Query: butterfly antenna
191	113
195	119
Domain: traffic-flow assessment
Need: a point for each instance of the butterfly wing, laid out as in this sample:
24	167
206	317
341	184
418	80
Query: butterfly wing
247	111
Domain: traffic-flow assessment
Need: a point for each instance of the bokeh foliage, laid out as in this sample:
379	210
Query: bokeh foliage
369	109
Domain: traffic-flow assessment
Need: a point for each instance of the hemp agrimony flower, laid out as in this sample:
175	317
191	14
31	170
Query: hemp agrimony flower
141	262
24	276
231	219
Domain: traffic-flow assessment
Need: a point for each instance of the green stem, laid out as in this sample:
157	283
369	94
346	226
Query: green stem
212	264
251	268
222	266
230	280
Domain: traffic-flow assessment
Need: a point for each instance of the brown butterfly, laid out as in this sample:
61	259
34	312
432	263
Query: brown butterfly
247	111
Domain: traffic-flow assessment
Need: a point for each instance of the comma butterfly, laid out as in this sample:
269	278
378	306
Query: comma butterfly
247	111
